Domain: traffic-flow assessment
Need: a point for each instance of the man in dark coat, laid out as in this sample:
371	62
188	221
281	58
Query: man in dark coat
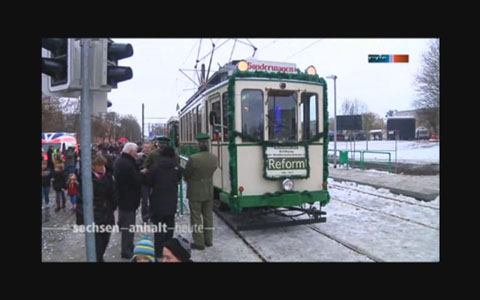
147	149
128	181
104	204
46	182
70	166
50	164
59	185
164	177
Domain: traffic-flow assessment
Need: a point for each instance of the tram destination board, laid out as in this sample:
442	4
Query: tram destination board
285	161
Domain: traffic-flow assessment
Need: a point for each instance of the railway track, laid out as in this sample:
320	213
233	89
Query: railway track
311	227
237	232
382	212
339	240
346	244
385	213
382	196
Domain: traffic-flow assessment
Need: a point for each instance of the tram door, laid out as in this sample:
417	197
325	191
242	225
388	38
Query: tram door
216	134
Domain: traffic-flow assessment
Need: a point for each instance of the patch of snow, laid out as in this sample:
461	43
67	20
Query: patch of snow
419	152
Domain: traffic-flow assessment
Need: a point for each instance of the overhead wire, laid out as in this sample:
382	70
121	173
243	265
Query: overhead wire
311	44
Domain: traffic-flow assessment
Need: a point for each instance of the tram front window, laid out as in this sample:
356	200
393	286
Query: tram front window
282	115
252	114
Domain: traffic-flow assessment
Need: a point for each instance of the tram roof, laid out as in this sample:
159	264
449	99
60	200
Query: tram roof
172	119
220	76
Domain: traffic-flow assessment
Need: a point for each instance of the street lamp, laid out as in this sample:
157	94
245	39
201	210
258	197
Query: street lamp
334	77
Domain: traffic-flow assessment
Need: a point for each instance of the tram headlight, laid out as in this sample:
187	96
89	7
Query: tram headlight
287	185
242	66
311	70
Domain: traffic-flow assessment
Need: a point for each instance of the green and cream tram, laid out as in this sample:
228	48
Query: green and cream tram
268	126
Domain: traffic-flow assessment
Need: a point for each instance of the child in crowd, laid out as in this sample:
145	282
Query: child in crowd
144	251
72	189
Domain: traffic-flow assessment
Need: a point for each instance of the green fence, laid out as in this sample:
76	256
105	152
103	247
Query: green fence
362	159
344	159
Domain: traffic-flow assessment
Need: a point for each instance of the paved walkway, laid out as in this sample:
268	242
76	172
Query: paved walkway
420	187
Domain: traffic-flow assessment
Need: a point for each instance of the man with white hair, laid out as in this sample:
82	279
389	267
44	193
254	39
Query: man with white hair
128	181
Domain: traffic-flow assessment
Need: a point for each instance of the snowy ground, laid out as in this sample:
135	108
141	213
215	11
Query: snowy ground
399	229
390	230
419	152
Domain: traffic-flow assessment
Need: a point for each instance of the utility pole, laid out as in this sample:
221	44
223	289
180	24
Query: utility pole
86	137
114	125
334	77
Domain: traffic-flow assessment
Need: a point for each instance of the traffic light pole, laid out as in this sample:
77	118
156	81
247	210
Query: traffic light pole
86	158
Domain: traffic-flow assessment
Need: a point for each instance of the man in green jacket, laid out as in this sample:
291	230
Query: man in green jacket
156	154
198	175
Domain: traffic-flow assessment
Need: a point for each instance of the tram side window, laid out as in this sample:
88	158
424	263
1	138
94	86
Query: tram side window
187	137
206	117
181	129
252	114
217	130
309	115
189	126
194	121
192	126
184	129
282	116
199	118
224	115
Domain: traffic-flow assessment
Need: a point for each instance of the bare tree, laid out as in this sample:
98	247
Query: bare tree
111	120
129	128
372	121
428	88
353	107
331	123
60	114
390	113
63	114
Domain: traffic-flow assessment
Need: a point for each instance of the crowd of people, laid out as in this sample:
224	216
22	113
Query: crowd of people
132	176
59	171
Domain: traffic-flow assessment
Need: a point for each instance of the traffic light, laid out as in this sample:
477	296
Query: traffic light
115	73
62	64
56	66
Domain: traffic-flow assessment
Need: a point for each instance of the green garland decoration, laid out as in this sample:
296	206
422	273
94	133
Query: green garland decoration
232	148
232	134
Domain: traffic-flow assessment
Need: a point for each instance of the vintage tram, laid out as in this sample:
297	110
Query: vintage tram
268	126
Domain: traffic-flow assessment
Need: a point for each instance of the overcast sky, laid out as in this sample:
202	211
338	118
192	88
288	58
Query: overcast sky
158	83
